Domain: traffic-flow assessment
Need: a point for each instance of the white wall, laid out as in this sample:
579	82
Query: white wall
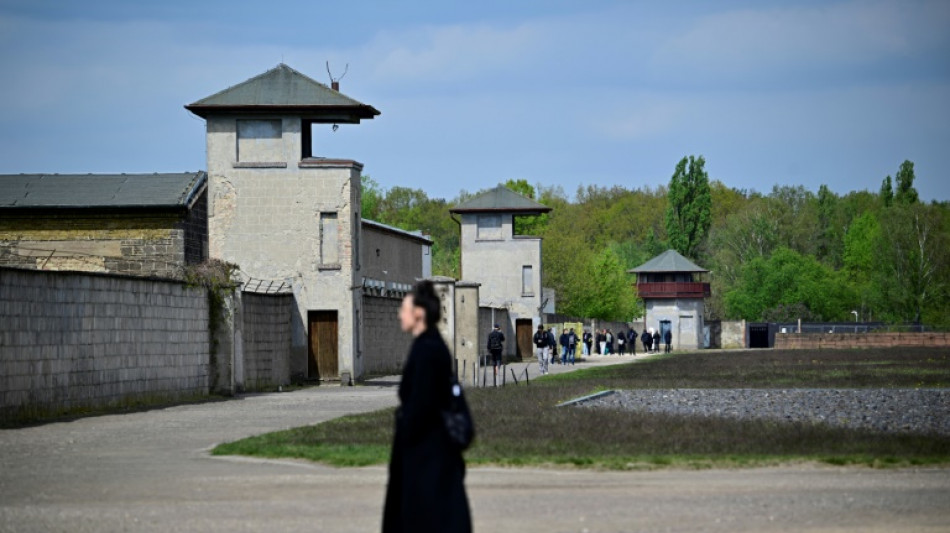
685	316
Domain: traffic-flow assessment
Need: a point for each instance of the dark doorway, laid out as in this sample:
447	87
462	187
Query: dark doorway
523	334
323	361
758	335
665	325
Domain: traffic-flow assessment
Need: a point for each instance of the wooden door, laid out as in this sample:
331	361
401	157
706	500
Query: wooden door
524	335
323	362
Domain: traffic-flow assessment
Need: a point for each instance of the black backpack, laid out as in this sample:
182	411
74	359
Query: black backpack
458	420
494	340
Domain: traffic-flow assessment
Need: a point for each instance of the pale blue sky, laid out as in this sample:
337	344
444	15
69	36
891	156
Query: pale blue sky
473	93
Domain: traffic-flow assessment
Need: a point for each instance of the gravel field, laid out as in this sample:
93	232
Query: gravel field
891	410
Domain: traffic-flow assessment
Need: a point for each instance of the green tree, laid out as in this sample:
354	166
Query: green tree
887	192
788	278
369	200
688	216
912	260
609	293
529	224
906	193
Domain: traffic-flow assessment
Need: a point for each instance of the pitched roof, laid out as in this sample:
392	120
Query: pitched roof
415	235
113	191
501	199
284	90
669	261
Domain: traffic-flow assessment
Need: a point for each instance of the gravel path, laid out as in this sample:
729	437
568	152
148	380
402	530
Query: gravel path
891	410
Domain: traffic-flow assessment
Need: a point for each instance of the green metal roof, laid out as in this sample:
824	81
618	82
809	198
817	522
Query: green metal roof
112	191
500	199
669	261
284	90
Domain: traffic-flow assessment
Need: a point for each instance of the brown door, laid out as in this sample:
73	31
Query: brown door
322	363
523	333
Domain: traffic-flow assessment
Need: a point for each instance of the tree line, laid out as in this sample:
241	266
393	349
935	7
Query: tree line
789	253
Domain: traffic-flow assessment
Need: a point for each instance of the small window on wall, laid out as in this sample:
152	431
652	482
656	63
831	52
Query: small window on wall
527	281
489	227
329	240
259	141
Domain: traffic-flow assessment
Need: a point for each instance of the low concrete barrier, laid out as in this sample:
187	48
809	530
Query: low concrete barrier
831	341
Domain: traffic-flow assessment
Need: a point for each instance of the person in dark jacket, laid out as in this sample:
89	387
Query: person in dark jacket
656	341
426	490
632	341
647	340
588	342
621	343
496	343
668	339
564	340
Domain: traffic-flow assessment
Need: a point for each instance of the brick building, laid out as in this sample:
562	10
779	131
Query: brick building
141	224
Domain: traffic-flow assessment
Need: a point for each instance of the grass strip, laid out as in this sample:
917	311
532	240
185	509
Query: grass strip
519	426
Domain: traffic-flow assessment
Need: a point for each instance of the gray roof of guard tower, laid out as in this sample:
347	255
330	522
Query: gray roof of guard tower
503	200
669	261
283	90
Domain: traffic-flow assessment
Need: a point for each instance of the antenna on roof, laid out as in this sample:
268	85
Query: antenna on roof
335	82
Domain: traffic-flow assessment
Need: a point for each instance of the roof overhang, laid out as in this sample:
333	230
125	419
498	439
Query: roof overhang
329	113
538	211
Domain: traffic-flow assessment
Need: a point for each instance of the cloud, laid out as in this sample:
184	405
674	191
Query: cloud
797	40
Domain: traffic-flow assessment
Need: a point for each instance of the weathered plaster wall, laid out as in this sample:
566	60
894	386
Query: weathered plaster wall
733	334
75	340
265	217
137	244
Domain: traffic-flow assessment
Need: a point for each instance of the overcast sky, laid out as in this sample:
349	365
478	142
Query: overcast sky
477	92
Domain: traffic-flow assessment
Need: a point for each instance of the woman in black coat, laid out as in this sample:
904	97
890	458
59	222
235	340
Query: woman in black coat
426	490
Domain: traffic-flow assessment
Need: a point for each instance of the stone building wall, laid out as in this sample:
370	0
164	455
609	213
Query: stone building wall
266	336
134	243
73	340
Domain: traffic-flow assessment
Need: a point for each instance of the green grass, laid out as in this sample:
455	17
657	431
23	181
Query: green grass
518	426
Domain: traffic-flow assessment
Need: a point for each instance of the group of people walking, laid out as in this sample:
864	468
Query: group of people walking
550	348
546	347
651	340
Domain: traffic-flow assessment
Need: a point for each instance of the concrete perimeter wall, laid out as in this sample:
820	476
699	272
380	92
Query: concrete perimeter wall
266	337
384	345
72	340
819	341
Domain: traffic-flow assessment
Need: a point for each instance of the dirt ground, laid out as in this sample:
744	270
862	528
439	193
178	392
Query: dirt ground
150	471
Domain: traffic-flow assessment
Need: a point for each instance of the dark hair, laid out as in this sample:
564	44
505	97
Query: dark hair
424	296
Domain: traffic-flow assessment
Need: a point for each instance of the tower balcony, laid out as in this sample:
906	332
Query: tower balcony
673	289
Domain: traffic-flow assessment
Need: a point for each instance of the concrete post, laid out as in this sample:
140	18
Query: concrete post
466	323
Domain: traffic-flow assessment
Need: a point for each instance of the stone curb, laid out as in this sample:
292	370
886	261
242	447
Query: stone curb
582	399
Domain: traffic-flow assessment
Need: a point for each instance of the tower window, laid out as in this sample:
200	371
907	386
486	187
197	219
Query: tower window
329	240
527	280
259	141
489	227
